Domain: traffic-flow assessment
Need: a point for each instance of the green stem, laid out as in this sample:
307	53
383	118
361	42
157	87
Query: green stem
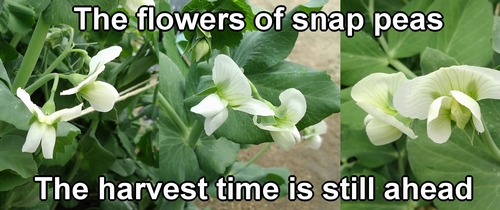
257	95
402	68
173	115
15	40
32	53
385	46
195	134
54	88
72	174
490	144
41	81
225	51
257	156
63	55
401	163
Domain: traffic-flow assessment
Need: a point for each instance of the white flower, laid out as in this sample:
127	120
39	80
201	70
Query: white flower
313	133
42	130
374	94
101	95
448	94
233	90
288	114
131	6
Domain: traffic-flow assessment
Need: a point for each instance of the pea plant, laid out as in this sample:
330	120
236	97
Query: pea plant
146	106
423	104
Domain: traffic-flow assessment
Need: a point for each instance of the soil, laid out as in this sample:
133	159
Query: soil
320	50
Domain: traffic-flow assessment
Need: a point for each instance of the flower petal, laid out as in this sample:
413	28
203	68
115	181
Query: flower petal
378	90
89	80
284	139
381	133
102	96
414	97
230	80
35	134
213	123
255	107
375	112
64	114
472	105
439	122
293	105
26	99
97	63
314	142
48	142
210	106
286	128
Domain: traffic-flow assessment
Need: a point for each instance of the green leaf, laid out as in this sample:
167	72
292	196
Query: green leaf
408	43
169	43
496	34
9	180
22	17
466	35
26	195
215	155
4	76
432	59
112	205
61	11
4	16
11	157
172	85
19	115
457	158
96	160
39	5
361	56
124	167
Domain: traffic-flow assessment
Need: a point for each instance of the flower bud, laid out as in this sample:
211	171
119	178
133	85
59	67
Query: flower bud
201	49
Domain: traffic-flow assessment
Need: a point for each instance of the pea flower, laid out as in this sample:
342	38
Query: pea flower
233	90
288	114
43	129
446	95
131	6
312	134
101	95
374	94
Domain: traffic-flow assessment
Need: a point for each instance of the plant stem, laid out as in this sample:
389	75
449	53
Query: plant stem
15	40
225	51
72	174
257	95
490	144
54	87
173	115
257	156
38	83
195	134
402	68
63	55
32	53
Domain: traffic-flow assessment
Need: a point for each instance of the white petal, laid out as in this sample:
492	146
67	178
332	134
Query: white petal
293	105
230	80
210	106
378	90
48	142
439	122
102	96
284	139
472	105
414	97
64	114
97	63
25	98
381	133
255	107
376	113
87	81
296	134
314	142
35	134
320	128
213	123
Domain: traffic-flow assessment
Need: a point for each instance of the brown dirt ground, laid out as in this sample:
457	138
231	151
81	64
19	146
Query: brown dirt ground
320	50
